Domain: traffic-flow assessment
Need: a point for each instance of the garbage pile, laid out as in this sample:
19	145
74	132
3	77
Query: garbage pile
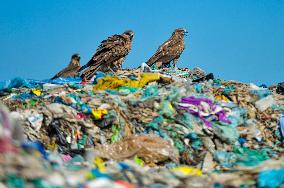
141	128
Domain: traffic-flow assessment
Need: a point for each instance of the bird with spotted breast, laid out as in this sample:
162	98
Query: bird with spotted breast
170	50
72	70
110	54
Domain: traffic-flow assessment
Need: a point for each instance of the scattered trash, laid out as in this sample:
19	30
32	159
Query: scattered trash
141	128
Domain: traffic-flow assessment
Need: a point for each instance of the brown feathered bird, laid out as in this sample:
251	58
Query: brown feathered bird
170	50
109	55
72	70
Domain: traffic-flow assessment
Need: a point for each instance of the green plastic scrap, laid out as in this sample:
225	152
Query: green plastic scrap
174	94
138	161
241	156
115	133
32	102
75	163
226	133
75	86
14	181
156	122
217	81
250	157
150	92
124	90
228	89
185	119
225	159
198	88
179	145
82	142
195	140
38	183
177	138
154	66
167	109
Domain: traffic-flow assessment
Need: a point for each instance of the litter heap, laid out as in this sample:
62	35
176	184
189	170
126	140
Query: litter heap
133	128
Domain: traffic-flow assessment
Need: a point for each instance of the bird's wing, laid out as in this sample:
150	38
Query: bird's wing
109	43
162	53
110	50
65	71
105	46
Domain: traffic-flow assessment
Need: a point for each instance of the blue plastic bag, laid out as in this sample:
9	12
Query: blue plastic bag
281	121
271	178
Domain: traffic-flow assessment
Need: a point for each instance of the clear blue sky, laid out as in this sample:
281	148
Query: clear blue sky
241	40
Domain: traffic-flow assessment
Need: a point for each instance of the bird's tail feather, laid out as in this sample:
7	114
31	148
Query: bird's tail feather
151	61
54	77
86	65
90	72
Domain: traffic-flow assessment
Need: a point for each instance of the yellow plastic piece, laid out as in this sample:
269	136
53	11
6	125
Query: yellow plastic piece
113	83
171	107
99	113
100	164
37	92
222	98
89	176
186	170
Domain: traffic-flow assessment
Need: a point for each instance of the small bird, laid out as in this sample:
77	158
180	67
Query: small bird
170	50
109	55
72	70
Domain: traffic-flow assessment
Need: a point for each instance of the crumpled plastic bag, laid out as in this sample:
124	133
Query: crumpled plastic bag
112	83
265	103
151	149
271	178
204	108
226	133
17	83
30	83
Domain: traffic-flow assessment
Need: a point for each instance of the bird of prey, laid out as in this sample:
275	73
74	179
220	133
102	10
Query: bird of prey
170	50
72	70
109	55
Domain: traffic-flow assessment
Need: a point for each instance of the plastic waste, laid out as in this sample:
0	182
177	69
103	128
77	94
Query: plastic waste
271	178
143	129
36	120
280	88
150	149
203	108
260	92
112	83
35	146
99	113
186	170
149	92
264	103
281	122
226	133
37	92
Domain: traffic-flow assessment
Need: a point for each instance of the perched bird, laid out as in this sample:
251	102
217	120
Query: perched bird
169	50
72	70
109	55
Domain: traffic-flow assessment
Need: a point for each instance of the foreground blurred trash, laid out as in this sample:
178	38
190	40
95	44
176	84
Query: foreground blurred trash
141	128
